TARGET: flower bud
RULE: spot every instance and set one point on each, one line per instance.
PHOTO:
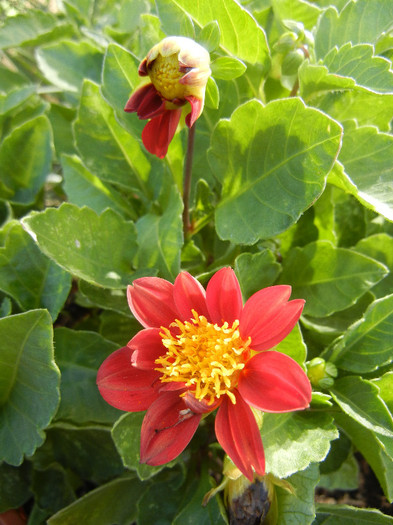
(178, 69)
(321, 373)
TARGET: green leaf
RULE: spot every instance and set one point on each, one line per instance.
(298, 508)
(329, 279)
(385, 386)
(52, 488)
(97, 506)
(106, 148)
(79, 355)
(88, 451)
(14, 486)
(67, 63)
(118, 328)
(366, 155)
(15, 97)
(294, 346)
(209, 37)
(346, 477)
(344, 514)
(84, 243)
(303, 12)
(85, 189)
(256, 271)
(379, 247)
(371, 448)
(294, 440)
(126, 434)
(174, 21)
(360, 400)
(29, 277)
(161, 237)
(272, 163)
(31, 28)
(61, 118)
(368, 343)
(212, 96)
(227, 68)
(29, 383)
(105, 298)
(240, 34)
(336, 29)
(25, 160)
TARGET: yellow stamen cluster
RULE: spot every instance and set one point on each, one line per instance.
(165, 75)
(206, 357)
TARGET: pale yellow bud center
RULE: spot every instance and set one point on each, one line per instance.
(206, 357)
(165, 75)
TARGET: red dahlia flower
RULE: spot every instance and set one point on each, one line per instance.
(200, 351)
(178, 69)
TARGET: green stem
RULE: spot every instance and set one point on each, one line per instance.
(187, 180)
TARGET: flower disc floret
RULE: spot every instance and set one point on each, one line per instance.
(206, 357)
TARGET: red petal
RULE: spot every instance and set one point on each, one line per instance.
(189, 295)
(146, 102)
(147, 346)
(238, 434)
(167, 429)
(196, 110)
(124, 386)
(151, 301)
(200, 406)
(268, 317)
(159, 131)
(223, 297)
(142, 69)
(274, 382)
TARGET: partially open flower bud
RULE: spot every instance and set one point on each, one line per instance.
(178, 69)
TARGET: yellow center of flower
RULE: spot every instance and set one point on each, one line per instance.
(206, 357)
(165, 75)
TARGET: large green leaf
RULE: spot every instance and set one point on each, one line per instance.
(344, 514)
(67, 63)
(240, 34)
(294, 440)
(98, 506)
(358, 22)
(298, 508)
(85, 189)
(25, 160)
(84, 243)
(161, 237)
(15, 97)
(367, 158)
(106, 148)
(293, 345)
(272, 163)
(28, 276)
(29, 383)
(367, 344)
(256, 271)
(360, 400)
(379, 247)
(79, 354)
(330, 279)
(14, 485)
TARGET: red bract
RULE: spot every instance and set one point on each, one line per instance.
(178, 69)
(200, 351)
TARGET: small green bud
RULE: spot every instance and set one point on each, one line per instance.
(320, 373)
(286, 43)
(292, 62)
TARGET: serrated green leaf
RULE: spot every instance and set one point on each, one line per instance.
(97, 506)
(126, 434)
(106, 148)
(368, 343)
(329, 279)
(360, 400)
(256, 271)
(272, 163)
(366, 155)
(67, 63)
(336, 29)
(25, 160)
(209, 37)
(29, 383)
(83, 243)
(227, 68)
(161, 237)
(85, 189)
(346, 515)
(240, 34)
(298, 508)
(32, 280)
(79, 355)
(294, 440)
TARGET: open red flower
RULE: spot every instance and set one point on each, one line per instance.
(178, 69)
(202, 350)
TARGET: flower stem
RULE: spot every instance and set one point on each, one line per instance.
(187, 180)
